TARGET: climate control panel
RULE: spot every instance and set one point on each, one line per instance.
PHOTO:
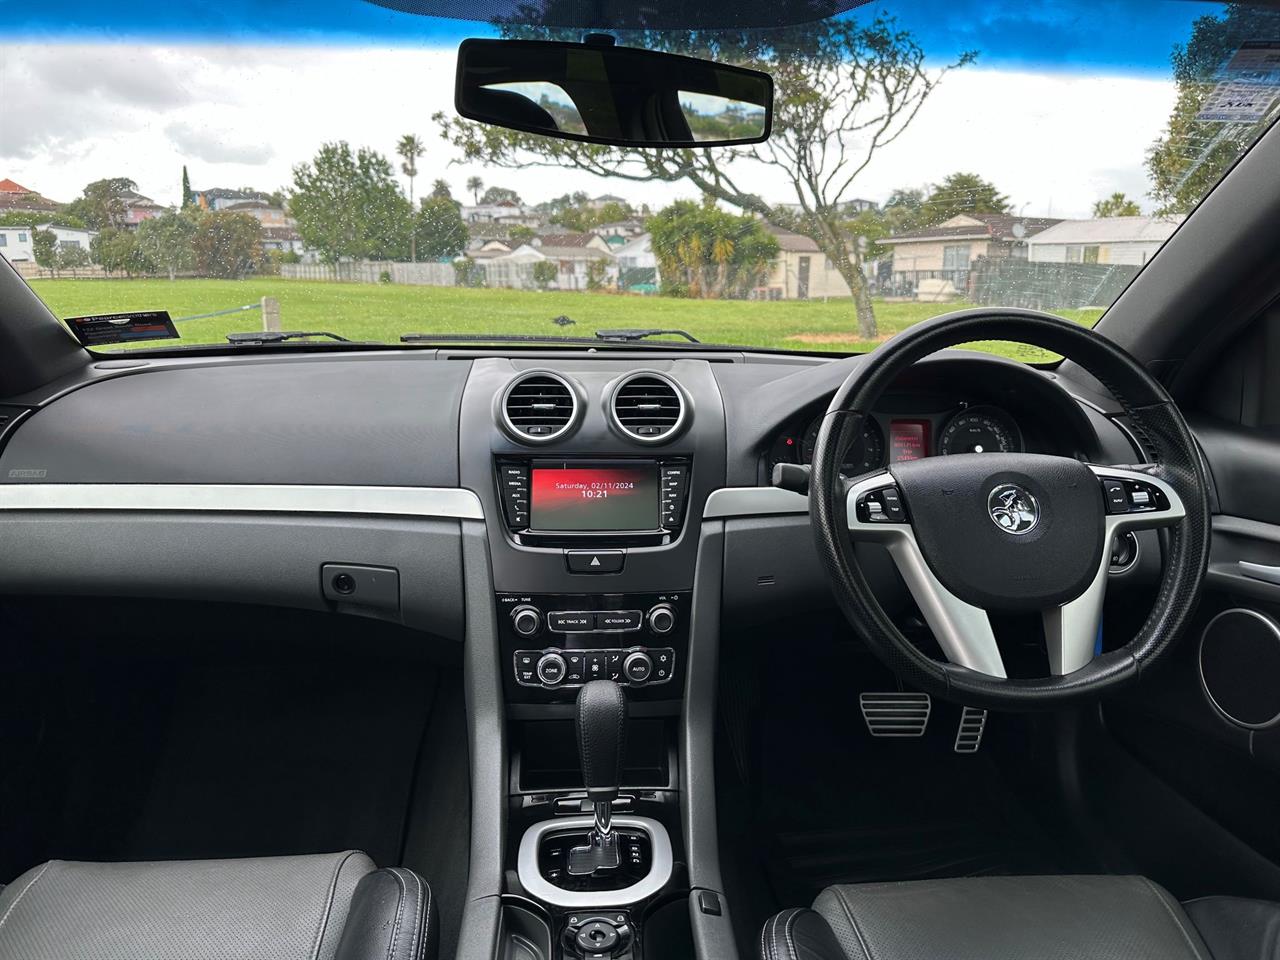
(554, 643)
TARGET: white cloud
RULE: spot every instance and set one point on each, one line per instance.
(240, 116)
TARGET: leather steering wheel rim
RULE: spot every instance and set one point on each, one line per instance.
(1155, 419)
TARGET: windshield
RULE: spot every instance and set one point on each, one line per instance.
(291, 167)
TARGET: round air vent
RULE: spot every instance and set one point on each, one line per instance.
(539, 407)
(1240, 666)
(648, 407)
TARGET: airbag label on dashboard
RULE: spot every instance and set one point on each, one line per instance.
(123, 327)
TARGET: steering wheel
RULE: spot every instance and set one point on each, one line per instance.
(973, 534)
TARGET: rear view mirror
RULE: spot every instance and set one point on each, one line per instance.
(600, 93)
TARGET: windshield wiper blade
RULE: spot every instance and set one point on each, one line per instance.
(625, 335)
(279, 336)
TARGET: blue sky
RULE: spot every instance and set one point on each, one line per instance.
(1124, 37)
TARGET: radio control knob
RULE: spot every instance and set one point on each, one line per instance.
(551, 669)
(638, 667)
(662, 618)
(526, 620)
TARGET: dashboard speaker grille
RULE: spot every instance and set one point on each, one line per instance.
(895, 714)
(539, 407)
(648, 407)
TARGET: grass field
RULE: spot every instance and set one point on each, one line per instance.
(384, 312)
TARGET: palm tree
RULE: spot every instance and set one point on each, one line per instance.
(410, 148)
(475, 185)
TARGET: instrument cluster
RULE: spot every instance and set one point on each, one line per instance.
(893, 437)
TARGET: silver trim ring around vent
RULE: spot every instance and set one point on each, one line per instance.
(520, 435)
(666, 435)
(895, 714)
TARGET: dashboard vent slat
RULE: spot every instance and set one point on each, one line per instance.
(539, 407)
(648, 407)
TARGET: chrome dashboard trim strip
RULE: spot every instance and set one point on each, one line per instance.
(753, 502)
(439, 502)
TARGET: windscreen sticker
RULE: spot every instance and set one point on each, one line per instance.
(123, 327)
(1248, 85)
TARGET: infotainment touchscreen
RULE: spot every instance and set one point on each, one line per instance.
(603, 498)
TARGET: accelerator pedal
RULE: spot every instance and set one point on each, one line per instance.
(895, 714)
(973, 721)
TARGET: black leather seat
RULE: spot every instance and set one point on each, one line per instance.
(336, 906)
(1022, 918)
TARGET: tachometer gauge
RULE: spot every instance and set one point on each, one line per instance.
(981, 430)
(865, 455)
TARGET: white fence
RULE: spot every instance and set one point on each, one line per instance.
(495, 273)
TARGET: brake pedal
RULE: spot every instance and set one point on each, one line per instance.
(973, 721)
(895, 714)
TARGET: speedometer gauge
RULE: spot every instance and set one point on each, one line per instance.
(981, 430)
(866, 453)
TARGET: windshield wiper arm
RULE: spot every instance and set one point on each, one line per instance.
(643, 334)
(279, 336)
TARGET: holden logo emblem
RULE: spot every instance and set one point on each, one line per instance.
(1012, 509)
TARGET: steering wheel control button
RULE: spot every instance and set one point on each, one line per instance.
(1117, 499)
(619, 620)
(571, 621)
(881, 506)
(1133, 496)
(595, 561)
(526, 621)
(551, 669)
(638, 667)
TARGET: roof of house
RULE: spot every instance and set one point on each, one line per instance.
(1111, 230)
(249, 205)
(223, 193)
(14, 196)
(8, 186)
(792, 242)
(566, 239)
(977, 226)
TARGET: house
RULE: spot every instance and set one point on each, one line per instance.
(637, 264)
(622, 229)
(138, 208)
(801, 271)
(847, 208)
(604, 200)
(504, 212)
(70, 236)
(579, 258)
(1108, 240)
(490, 249)
(285, 239)
(15, 198)
(220, 198)
(16, 245)
(262, 211)
(945, 251)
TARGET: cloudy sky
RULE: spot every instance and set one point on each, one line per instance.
(1056, 112)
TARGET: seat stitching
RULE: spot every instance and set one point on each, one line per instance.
(764, 945)
(774, 954)
(395, 930)
(854, 924)
(328, 904)
(786, 932)
(1174, 917)
(426, 918)
(418, 933)
(23, 892)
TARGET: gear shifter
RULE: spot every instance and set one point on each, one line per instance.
(601, 723)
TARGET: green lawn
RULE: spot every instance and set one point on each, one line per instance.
(384, 312)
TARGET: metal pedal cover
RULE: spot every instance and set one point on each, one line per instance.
(895, 714)
(973, 721)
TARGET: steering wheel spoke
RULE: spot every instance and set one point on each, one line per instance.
(963, 630)
(1136, 500)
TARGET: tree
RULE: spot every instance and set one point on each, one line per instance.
(410, 148)
(1192, 155)
(521, 234)
(168, 241)
(500, 195)
(1116, 205)
(102, 203)
(706, 252)
(545, 273)
(71, 256)
(227, 245)
(117, 251)
(475, 185)
(843, 90)
(347, 204)
(188, 198)
(439, 231)
(441, 190)
(44, 244)
(961, 193)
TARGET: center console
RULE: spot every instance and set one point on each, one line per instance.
(592, 483)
